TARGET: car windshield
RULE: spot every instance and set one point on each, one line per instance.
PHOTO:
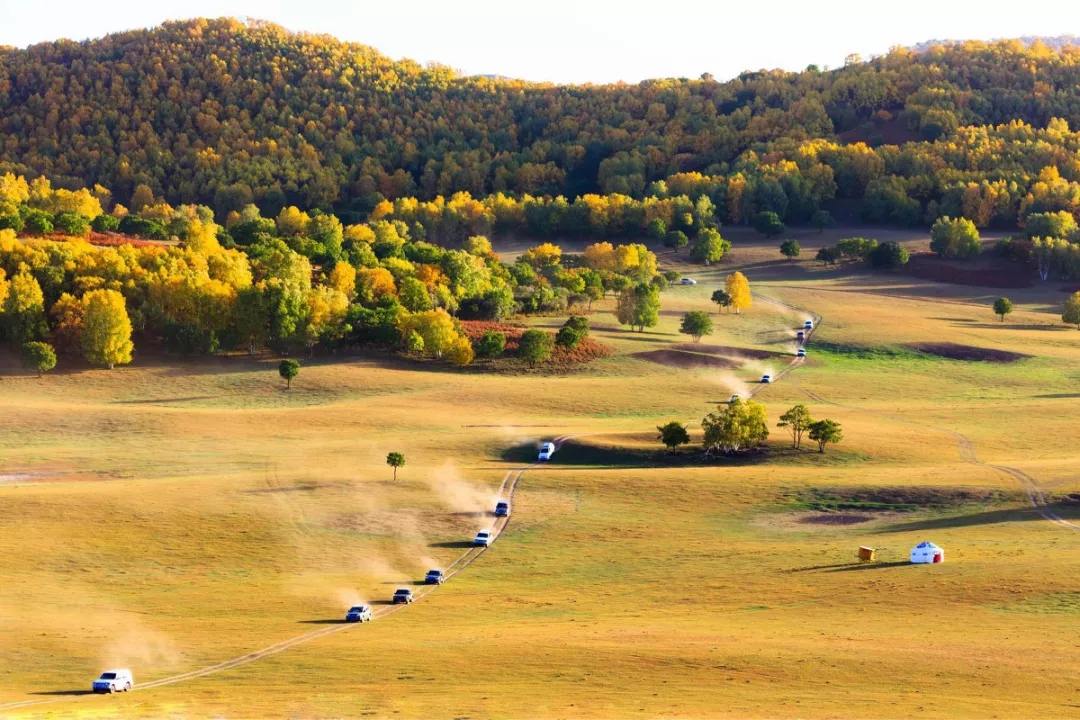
(403, 591)
(108, 676)
(355, 609)
(434, 572)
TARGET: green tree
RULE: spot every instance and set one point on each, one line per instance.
(567, 337)
(38, 356)
(1003, 306)
(413, 342)
(395, 460)
(492, 344)
(288, 369)
(676, 239)
(790, 249)
(797, 420)
(535, 346)
(71, 223)
(657, 229)
(639, 308)
(708, 247)
(696, 323)
(824, 432)
(579, 323)
(955, 238)
(768, 223)
(821, 219)
(721, 298)
(888, 255)
(673, 434)
(1071, 313)
(106, 329)
(828, 255)
(738, 425)
(856, 248)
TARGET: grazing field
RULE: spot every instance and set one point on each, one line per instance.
(168, 517)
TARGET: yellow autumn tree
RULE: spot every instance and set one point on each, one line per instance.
(738, 289)
(106, 329)
(374, 284)
(541, 255)
(600, 256)
(292, 221)
(343, 279)
(435, 327)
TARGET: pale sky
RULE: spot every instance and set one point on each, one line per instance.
(583, 40)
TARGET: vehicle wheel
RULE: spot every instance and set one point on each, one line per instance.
(112, 689)
(127, 687)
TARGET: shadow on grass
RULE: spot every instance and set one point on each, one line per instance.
(1059, 396)
(871, 566)
(164, 401)
(68, 693)
(579, 454)
(455, 544)
(988, 517)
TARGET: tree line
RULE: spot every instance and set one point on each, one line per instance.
(743, 424)
(226, 114)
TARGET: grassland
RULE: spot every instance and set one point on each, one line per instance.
(169, 516)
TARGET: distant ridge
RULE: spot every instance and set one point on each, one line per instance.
(1056, 42)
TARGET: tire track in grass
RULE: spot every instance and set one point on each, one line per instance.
(965, 445)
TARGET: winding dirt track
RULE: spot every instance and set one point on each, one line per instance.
(965, 444)
(509, 485)
(506, 490)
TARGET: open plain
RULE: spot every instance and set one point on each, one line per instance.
(200, 512)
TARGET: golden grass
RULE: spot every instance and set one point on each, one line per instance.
(182, 515)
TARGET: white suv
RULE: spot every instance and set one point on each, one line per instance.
(547, 450)
(112, 681)
(482, 539)
(358, 613)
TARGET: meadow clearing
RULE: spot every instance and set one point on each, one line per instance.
(169, 516)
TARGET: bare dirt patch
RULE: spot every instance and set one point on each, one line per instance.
(685, 360)
(836, 518)
(728, 351)
(989, 272)
(968, 353)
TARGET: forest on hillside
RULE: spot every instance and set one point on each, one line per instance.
(225, 114)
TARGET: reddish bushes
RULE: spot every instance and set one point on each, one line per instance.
(586, 351)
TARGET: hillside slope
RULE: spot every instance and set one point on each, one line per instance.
(219, 112)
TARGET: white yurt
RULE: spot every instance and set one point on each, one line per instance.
(927, 552)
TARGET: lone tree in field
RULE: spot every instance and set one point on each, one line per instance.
(790, 249)
(695, 324)
(722, 299)
(106, 329)
(1071, 314)
(395, 460)
(639, 307)
(824, 432)
(535, 346)
(38, 356)
(1003, 306)
(797, 420)
(738, 290)
(288, 369)
(673, 435)
(740, 424)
